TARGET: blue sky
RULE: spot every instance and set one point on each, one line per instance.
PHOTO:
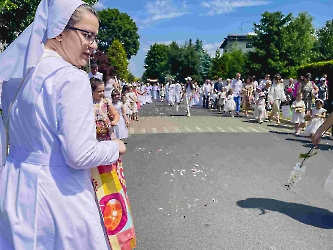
(163, 21)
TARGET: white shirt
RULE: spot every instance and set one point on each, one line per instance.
(236, 86)
(178, 87)
(206, 89)
(98, 75)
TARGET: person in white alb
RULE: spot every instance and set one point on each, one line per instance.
(94, 72)
(276, 96)
(237, 86)
(172, 93)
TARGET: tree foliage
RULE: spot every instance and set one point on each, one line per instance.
(131, 77)
(16, 15)
(103, 64)
(156, 62)
(205, 61)
(117, 58)
(282, 43)
(120, 26)
(325, 42)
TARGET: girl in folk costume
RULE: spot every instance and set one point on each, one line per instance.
(317, 116)
(276, 96)
(298, 113)
(126, 101)
(120, 129)
(113, 201)
(230, 105)
(54, 145)
(138, 94)
(248, 94)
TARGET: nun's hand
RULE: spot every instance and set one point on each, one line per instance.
(122, 147)
(316, 138)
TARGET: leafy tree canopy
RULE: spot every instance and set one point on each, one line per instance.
(117, 58)
(120, 26)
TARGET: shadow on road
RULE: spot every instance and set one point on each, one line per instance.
(307, 144)
(313, 216)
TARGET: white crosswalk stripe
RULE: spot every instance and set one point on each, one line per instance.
(188, 130)
(210, 129)
(221, 129)
(257, 131)
(232, 130)
(165, 130)
(263, 129)
(177, 130)
(154, 130)
(199, 129)
(243, 129)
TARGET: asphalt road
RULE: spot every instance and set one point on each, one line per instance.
(206, 189)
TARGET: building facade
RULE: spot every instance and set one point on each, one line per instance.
(236, 41)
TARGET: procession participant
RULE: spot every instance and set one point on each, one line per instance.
(172, 93)
(167, 92)
(47, 104)
(206, 93)
(94, 71)
(237, 86)
(248, 94)
(276, 96)
(188, 92)
(262, 83)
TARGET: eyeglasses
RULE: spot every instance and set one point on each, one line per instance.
(89, 36)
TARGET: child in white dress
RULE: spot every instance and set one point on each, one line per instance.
(298, 113)
(318, 115)
(260, 107)
(222, 96)
(230, 105)
(120, 129)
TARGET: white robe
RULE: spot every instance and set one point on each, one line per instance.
(46, 196)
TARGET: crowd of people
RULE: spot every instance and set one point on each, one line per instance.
(305, 99)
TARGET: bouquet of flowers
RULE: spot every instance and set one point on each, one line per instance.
(299, 169)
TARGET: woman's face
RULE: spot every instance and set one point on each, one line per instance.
(98, 94)
(75, 43)
(318, 104)
(248, 80)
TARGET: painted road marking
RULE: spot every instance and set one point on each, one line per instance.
(243, 129)
(232, 130)
(154, 130)
(210, 129)
(199, 129)
(165, 130)
(257, 131)
(188, 130)
(265, 130)
(177, 130)
(221, 129)
(143, 131)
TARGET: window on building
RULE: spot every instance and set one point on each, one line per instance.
(249, 45)
(225, 50)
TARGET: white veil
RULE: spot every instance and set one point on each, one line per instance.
(25, 52)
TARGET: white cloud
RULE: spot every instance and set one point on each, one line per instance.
(163, 9)
(211, 48)
(228, 6)
(99, 6)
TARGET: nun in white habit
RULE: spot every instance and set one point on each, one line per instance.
(46, 196)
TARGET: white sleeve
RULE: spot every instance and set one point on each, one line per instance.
(76, 124)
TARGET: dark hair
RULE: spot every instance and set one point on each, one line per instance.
(253, 78)
(249, 77)
(308, 76)
(94, 82)
(115, 92)
(277, 77)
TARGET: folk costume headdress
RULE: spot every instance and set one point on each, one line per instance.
(25, 52)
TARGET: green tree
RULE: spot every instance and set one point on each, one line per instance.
(218, 66)
(235, 62)
(282, 43)
(189, 62)
(174, 59)
(120, 26)
(16, 15)
(325, 41)
(205, 61)
(156, 62)
(131, 77)
(117, 58)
